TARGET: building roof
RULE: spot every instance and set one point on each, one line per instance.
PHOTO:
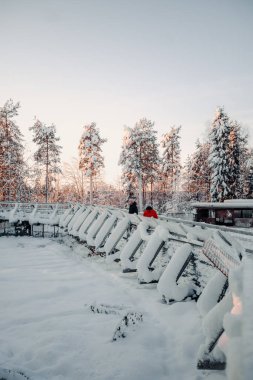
(233, 204)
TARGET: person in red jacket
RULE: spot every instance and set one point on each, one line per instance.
(150, 212)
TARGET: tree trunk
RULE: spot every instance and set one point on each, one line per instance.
(140, 193)
(151, 193)
(47, 164)
(91, 190)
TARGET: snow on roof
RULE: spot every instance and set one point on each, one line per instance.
(237, 203)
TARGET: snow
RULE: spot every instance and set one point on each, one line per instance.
(87, 223)
(167, 285)
(95, 228)
(105, 231)
(79, 221)
(211, 293)
(115, 237)
(238, 323)
(153, 247)
(129, 250)
(48, 330)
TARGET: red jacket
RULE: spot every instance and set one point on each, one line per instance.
(150, 213)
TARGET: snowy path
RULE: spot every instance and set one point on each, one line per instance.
(48, 332)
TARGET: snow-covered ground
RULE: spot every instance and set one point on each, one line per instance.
(48, 330)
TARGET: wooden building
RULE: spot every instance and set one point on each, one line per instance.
(236, 212)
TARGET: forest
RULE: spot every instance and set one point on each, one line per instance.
(220, 167)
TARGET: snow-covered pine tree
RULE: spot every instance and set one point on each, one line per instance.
(247, 175)
(12, 173)
(250, 181)
(140, 157)
(171, 166)
(128, 176)
(187, 175)
(236, 156)
(219, 157)
(91, 160)
(200, 170)
(48, 153)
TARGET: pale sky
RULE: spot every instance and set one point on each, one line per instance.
(71, 62)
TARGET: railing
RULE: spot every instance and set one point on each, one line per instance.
(159, 251)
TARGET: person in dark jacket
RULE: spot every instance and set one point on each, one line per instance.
(150, 213)
(133, 209)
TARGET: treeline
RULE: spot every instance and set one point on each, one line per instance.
(220, 168)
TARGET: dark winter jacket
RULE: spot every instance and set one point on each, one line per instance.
(150, 213)
(133, 208)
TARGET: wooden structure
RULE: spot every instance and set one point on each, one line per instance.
(236, 212)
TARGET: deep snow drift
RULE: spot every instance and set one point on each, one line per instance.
(48, 330)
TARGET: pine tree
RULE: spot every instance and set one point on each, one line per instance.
(140, 156)
(236, 154)
(219, 157)
(187, 175)
(248, 175)
(200, 170)
(171, 166)
(250, 182)
(47, 155)
(12, 181)
(128, 175)
(91, 161)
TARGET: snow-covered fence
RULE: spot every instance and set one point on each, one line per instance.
(24, 218)
(104, 232)
(87, 223)
(85, 211)
(225, 253)
(141, 243)
(110, 247)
